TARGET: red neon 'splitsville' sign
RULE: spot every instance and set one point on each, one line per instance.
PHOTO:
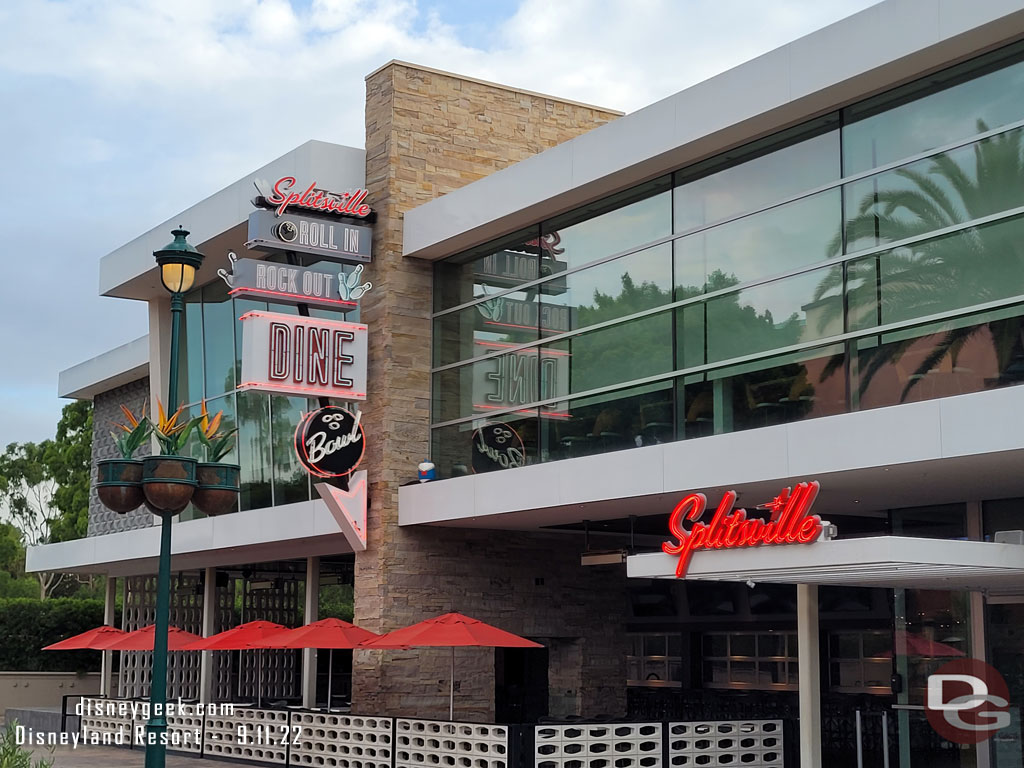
(314, 199)
(790, 523)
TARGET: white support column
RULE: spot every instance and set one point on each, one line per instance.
(107, 657)
(209, 627)
(810, 675)
(312, 613)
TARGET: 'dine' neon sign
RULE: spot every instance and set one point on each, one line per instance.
(790, 523)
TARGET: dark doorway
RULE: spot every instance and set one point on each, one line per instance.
(520, 684)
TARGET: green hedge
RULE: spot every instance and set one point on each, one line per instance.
(26, 625)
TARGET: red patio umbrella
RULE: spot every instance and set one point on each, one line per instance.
(95, 639)
(142, 639)
(450, 630)
(919, 645)
(239, 639)
(326, 633)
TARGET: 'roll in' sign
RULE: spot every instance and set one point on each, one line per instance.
(305, 356)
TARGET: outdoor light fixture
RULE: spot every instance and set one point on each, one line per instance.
(614, 557)
(178, 263)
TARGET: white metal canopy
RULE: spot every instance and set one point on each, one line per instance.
(879, 561)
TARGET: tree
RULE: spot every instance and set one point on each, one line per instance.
(68, 461)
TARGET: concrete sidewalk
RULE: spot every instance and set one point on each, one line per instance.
(119, 757)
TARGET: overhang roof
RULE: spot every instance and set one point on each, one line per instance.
(877, 561)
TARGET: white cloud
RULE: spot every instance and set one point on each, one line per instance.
(127, 111)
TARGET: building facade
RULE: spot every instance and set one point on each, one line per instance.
(807, 268)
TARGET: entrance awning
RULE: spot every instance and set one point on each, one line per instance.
(879, 561)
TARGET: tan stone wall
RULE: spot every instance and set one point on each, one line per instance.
(429, 133)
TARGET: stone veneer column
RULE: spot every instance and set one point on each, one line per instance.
(428, 133)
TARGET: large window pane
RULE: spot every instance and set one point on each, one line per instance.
(767, 243)
(254, 449)
(778, 390)
(218, 338)
(610, 422)
(941, 191)
(756, 183)
(967, 354)
(891, 127)
(796, 309)
(633, 283)
(499, 383)
(952, 272)
(492, 267)
(291, 482)
(452, 447)
(494, 324)
(589, 234)
(190, 357)
(616, 355)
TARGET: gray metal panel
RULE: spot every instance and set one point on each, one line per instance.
(891, 42)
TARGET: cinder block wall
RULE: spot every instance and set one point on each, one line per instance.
(106, 410)
(428, 133)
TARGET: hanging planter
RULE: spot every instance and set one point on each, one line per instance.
(119, 481)
(119, 484)
(169, 480)
(217, 492)
(217, 489)
(168, 483)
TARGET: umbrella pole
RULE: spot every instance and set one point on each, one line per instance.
(451, 690)
(330, 676)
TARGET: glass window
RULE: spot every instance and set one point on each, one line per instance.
(696, 397)
(758, 182)
(494, 324)
(452, 448)
(778, 390)
(613, 355)
(951, 272)
(254, 449)
(941, 191)
(893, 126)
(218, 338)
(190, 356)
(494, 267)
(965, 354)
(795, 309)
(786, 237)
(499, 383)
(291, 481)
(690, 335)
(594, 232)
(609, 422)
(633, 283)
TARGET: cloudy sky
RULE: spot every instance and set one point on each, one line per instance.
(121, 113)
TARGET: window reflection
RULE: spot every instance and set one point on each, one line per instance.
(890, 127)
(940, 191)
(801, 308)
(601, 234)
(254, 449)
(494, 267)
(610, 422)
(452, 447)
(758, 182)
(291, 481)
(190, 356)
(940, 359)
(773, 241)
(491, 325)
(218, 338)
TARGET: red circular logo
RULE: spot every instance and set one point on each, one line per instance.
(967, 701)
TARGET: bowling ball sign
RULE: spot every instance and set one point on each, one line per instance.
(330, 442)
(497, 446)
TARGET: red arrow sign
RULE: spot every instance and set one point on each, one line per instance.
(348, 508)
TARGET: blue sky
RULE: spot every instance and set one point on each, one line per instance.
(121, 113)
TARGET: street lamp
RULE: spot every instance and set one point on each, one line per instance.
(178, 262)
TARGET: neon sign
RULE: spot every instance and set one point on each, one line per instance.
(790, 523)
(281, 198)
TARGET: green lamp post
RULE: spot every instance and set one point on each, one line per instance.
(178, 263)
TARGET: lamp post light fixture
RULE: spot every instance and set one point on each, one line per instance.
(178, 262)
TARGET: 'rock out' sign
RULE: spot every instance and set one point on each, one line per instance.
(790, 523)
